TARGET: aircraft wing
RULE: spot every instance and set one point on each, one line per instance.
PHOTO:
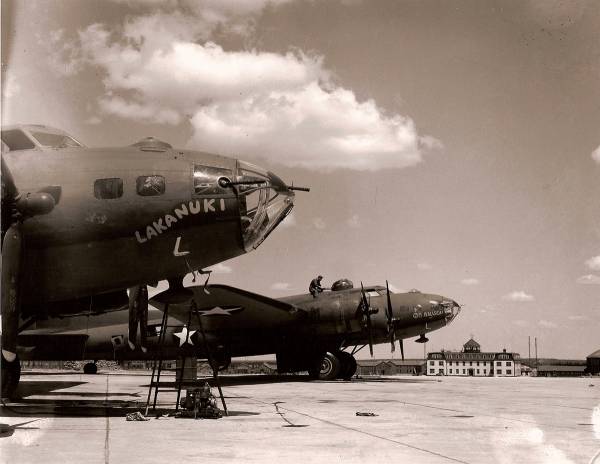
(222, 306)
(40, 346)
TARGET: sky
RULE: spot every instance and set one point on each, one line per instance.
(452, 147)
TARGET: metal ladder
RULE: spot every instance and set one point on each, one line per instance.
(157, 366)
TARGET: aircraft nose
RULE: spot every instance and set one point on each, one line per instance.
(451, 309)
(267, 200)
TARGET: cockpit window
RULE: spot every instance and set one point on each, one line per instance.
(47, 139)
(16, 139)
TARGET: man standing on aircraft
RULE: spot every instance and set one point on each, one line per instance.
(315, 286)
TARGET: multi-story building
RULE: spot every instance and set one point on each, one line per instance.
(472, 362)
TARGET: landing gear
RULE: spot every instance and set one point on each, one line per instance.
(333, 365)
(327, 367)
(348, 368)
(11, 373)
(90, 368)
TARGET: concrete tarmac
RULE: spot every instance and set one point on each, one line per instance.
(75, 418)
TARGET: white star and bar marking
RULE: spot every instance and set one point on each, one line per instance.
(220, 311)
(183, 336)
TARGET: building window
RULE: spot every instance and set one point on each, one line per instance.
(470, 363)
(498, 363)
(450, 363)
(148, 186)
(440, 371)
(441, 363)
(463, 371)
(478, 371)
(498, 371)
(463, 365)
(432, 363)
(478, 363)
(508, 363)
(451, 371)
(431, 371)
(485, 372)
(106, 189)
(509, 371)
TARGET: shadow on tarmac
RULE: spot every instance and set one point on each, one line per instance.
(258, 379)
(69, 408)
(29, 388)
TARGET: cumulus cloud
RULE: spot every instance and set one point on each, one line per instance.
(319, 223)
(353, 222)
(470, 281)
(10, 87)
(164, 67)
(281, 286)
(596, 155)
(520, 323)
(221, 269)
(519, 296)
(589, 279)
(547, 324)
(593, 263)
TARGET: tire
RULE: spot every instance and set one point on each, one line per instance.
(348, 368)
(330, 366)
(11, 373)
(90, 368)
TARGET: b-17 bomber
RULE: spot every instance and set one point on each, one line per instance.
(81, 225)
(217, 322)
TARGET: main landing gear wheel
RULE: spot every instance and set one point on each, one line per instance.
(11, 373)
(90, 368)
(327, 367)
(348, 365)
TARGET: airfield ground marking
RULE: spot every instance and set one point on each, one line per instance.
(525, 421)
(346, 427)
(106, 436)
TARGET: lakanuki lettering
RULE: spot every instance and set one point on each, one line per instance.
(191, 208)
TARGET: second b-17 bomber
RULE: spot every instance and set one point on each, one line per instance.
(218, 322)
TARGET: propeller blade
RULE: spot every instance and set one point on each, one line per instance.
(133, 315)
(367, 312)
(402, 348)
(390, 318)
(9, 189)
(12, 250)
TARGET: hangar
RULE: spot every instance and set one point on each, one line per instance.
(593, 363)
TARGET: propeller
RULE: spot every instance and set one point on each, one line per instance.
(366, 312)
(390, 318)
(15, 209)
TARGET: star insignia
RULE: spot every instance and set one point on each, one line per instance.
(220, 311)
(184, 336)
